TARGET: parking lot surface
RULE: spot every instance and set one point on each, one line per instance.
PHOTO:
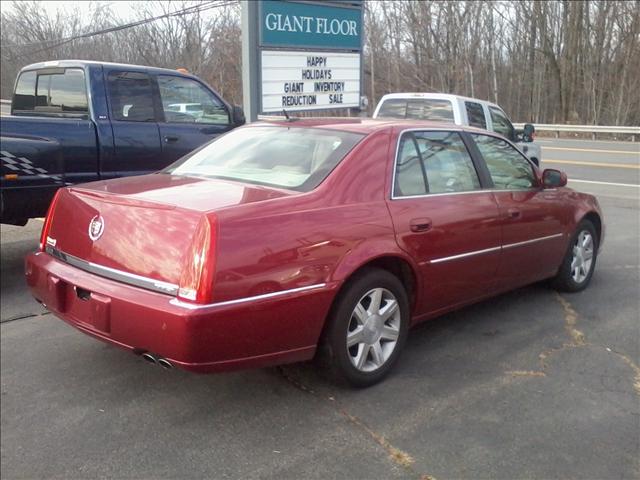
(529, 384)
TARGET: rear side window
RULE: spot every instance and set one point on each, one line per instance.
(186, 101)
(131, 97)
(509, 169)
(501, 123)
(433, 162)
(418, 109)
(475, 113)
(24, 98)
(57, 91)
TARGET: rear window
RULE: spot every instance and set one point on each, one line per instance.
(293, 158)
(417, 109)
(56, 91)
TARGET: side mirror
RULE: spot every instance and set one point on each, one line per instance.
(528, 132)
(553, 178)
(237, 115)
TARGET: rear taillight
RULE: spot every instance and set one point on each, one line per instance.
(47, 221)
(196, 282)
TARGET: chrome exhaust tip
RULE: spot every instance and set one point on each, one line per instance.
(164, 363)
(150, 358)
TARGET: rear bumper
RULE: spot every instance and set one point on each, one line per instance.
(218, 337)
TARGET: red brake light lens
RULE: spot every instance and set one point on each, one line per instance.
(48, 220)
(196, 282)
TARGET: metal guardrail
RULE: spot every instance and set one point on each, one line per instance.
(634, 132)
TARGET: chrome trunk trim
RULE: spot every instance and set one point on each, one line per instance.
(114, 274)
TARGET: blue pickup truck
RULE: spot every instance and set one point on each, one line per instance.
(76, 121)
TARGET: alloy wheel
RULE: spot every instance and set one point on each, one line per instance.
(582, 256)
(374, 329)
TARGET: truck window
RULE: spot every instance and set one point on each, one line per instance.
(393, 108)
(501, 123)
(417, 108)
(430, 109)
(131, 97)
(24, 99)
(59, 92)
(475, 113)
(187, 101)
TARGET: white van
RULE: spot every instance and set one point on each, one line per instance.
(460, 110)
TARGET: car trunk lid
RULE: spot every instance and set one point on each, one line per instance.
(141, 226)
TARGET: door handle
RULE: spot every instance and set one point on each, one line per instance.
(171, 138)
(420, 224)
(514, 213)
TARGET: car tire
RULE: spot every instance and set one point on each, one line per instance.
(579, 262)
(364, 313)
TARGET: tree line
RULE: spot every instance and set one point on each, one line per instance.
(555, 61)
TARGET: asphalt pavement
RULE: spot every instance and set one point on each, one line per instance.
(531, 384)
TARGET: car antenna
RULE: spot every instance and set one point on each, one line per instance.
(286, 115)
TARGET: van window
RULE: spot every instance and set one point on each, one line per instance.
(131, 97)
(475, 113)
(418, 109)
(52, 92)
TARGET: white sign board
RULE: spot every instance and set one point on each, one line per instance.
(294, 80)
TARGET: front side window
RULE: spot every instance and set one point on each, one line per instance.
(186, 101)
(60, 92)
(131, 97)
(433, 162)
(509, 169)
(287, 157)
(501, 123)
(475, 113)
(418, 109)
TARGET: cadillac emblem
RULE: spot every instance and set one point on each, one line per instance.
(96, 227)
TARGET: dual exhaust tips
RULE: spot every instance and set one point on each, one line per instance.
(163, 362)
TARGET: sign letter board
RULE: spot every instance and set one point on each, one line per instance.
(310, 55)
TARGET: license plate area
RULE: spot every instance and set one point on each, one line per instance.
(89, 308)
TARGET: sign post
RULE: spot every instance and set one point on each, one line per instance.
(301, 55)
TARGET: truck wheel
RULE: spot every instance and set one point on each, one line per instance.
(367, 328)
(580, 260)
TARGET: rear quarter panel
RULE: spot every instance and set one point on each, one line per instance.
(318, 237)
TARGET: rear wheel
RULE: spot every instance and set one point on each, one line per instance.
(367, 328)
(579, 263)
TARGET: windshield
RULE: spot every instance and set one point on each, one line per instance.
(286, 157)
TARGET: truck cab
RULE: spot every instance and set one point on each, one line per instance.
(76, 121)
(461, 111)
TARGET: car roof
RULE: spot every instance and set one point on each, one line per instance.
(364, 126)
(435, 96)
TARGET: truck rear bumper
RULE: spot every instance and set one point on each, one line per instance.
(258, 332)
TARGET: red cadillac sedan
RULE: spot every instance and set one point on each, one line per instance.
(281, 241)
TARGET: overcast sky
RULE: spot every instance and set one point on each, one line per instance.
(122, 9)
